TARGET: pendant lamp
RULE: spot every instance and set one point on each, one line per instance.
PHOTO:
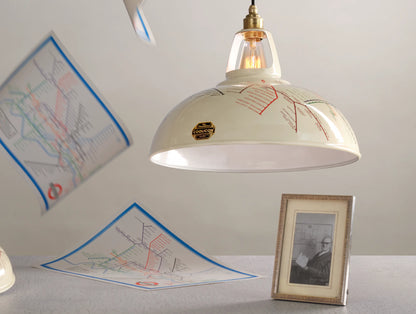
(254, 121)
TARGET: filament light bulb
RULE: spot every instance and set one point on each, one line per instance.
(251, 47)
(252, 54)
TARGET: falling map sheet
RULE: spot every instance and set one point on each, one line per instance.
(140, 24)
(138, 251)
(54, 124)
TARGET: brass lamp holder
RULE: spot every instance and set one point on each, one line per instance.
(252, 19)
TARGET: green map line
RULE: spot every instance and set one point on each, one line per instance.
(21, 101)
(16, 103)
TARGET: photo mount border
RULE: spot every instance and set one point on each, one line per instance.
(341, 298)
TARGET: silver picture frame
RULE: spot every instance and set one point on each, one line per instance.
(313, 248)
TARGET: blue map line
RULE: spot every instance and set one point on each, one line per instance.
(90, 89)
(27, 173)
(49, 137)
(91, 139)
(71, 167)
(93, 265)
(24, 117)
(4, 145)
(140, 209)
(185, 244)
(144, 25)
(142, 287)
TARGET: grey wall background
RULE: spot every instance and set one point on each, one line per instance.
(360, 55)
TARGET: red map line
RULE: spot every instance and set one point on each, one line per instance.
(252, 106)
(307, 108)
(64, 83)
(275, 92)
(123, 262)
(295, 103)
(150, 250)
(248, 86)
(317, 120)
(58, 136)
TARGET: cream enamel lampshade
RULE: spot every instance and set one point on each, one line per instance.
(254, 121)
(7, 277)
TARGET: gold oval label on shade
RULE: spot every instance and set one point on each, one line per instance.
(203, 131)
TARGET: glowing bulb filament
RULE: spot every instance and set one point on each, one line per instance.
(253, 55)
(253, 62)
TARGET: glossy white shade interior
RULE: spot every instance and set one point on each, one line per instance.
(253, 158)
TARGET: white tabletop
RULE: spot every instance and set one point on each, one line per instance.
(377, 284)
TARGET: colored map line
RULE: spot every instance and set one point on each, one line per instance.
(275, 92)
(42, 138)
(111, 116)
(297, 103)
(36, 105)
(258, 97)
(36, 128)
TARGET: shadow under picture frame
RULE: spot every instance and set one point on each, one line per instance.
(313, 248)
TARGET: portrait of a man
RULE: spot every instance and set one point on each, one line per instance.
(312, 252)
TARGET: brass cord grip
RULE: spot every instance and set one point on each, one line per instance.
(253, 20)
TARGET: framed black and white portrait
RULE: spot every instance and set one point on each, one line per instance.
(313, 248)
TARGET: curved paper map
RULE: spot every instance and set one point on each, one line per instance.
(54, 124)
(138, 251)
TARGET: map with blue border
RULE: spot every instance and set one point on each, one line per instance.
(54, 124)
(136, 250)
